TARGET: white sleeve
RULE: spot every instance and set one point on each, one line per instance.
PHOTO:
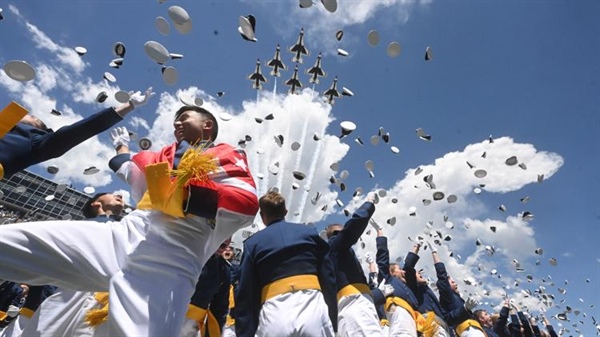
(130, 173)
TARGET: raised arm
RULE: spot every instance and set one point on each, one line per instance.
(247, 299)
(383, 256)
(354, 227)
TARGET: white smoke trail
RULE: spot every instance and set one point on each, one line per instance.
(311, 174)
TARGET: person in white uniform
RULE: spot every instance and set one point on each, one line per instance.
(179, 223)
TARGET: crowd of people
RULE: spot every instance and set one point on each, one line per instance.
(165, 269)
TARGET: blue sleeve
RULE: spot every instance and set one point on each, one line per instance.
(327, 279)
(383, 258)
(117, 161)
(55, 144)
(528, 332)
(220, 303)
(551, 331)
(353, 228)
(536, 331)
(454, 312)
(501, 326)
(247, 300)
(411, 274)
(515, 326)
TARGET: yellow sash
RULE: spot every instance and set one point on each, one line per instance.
(201, 315)
(290, 284)
(230, 320)
(425, 325)
(352, 289)
(467, 324)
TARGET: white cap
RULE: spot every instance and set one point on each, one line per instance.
(19, 71)
(80, 50)
(179, 15)
(162, 25)
(511, 161)
(145, 143)
(373, 38)
(480, 173)
(394, 49)
(339, 34)
(342, 52)
(452, 198)
(157, 52)
(52, 169)
(91, 170)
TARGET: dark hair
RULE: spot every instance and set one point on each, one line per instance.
(207, 114)
(478, 312)
(272, 205)
(333, 229)
(87, 210)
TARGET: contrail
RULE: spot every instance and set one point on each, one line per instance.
(300, 152)
(311, 173)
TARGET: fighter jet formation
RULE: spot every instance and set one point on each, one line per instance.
(277, 67)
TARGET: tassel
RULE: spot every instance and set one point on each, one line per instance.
(426, 324)
(195, 164)
(96, 317)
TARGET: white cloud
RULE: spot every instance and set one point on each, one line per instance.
(65, 55)
(320, 25)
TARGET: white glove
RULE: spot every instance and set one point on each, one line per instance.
(12, 311)
(137, 99)
(120, 137)
(385, 288)
(369, 258)
(471, 303)
(431, 247)
(190, 328)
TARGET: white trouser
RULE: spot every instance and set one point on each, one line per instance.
(62, 314)
(300, 313)
(228, 331)
(150, 284)
(15, 328)
(357, 316)
(472, 332)
(401, 322)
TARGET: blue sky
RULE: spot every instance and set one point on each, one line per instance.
(526, 73)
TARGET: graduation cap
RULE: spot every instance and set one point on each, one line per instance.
(55, 112)
(393, 49)
(156, 52)
(347, 128)
(119, 49)
(395, 149)
(342, 52)
(169, 75)
(480, 173)
(330, 5)
(109, 77)
(247, 28)
(347, 92)
(373, 38)
(80, 50)
(339, 35)
(370, 166)
(452, 198)
(428, 54)
(91, 170)
(19, 71)
(162, 25)
(52, 169)
(224, 116)
(421, 134)
(511, 161)
(144, 143)
(220, 93)
(101, 97)
(540, 178)
(299, 175)
(122, 96)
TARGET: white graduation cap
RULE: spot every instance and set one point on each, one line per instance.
(358, 141)
(370, 166)
(428, 54)
(426, 202)
(424, 136)
(278, 140)
(169, 75)
(395, 149)
(91, 170)
(449, 225)
(178, 15)
(452, 198)
(109, 77)
(299, 175)
(373, 38)
(523, 166)
(540, 178)
(502, 208)
(19, 71)
(145, 143)
(119, 49)
(412, 211)
(330, 5)
(101, 97)
(52, 169)
(342, 52)
(80, 50)
(157, 52)
(347, 92)
(438, 196)
(418, 171)
(480, 173)
(49, 197)
(339, 35)
(374, 140)
(247, 28)
(347, 128)
(295, 146)
(394, 49)
(224, 116)
(511, 161)
(274, 168)
(122, 96)
(162, 25)
(89, 190)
